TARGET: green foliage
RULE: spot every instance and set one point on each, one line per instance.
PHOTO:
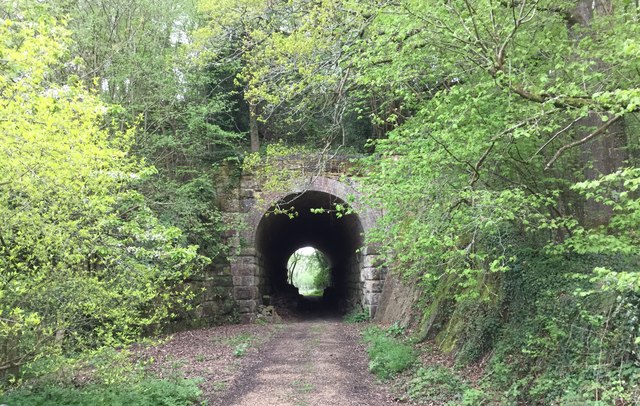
(309, 271)
(556, 342)
(502, 156)
(436, 384)
(279, 168)
(149, 391)
(240, 350)
(387, 355)
(395, 330)
(239, 339)
(356, 316)
(290, 66)
(240, 344)
(84, 263)
(490, 170)
(142, 60)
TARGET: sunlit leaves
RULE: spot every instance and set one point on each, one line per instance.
(83, 261)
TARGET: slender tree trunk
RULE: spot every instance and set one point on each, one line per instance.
(606, 153)
(253, 127)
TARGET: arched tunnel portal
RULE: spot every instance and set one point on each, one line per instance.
(310, 219)
(260, 269)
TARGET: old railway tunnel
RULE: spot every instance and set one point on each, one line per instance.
(264, 240)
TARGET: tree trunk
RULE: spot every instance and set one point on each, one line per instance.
(253, 127)
(606, 153)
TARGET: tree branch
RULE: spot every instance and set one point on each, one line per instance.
(601, 130)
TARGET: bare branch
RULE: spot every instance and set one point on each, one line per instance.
(555, 136)
(601, 130)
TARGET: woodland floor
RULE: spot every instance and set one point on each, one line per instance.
(314, 362)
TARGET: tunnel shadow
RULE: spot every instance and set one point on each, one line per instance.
(309, 219)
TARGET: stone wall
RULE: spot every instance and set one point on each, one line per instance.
(239, 204)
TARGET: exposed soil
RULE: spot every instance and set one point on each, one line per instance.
(313, 362)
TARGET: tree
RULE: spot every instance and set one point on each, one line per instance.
(139, 55)
(292, 58)
(83, 261)
(507, 126)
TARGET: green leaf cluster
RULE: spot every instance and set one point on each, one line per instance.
(84, 262)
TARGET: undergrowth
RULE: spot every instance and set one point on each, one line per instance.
(146, 392)
(356, 316)
(388, 356)
(549, 333)
(104, 376)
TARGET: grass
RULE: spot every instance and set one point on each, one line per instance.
(302, 387)
(219, 386)
(436, 383)
(356, 317)
(146, 392)
(388, 356)
(240, 350)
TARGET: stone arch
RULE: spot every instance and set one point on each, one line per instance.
(255, 271)
(324, 184)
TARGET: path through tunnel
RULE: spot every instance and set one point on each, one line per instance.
(338, 236)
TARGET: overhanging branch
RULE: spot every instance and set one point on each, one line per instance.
(601, 130)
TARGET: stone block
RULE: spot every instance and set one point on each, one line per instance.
(244, 270)
(373, 286)
(217, 293)
(371, 274)
(233, 242)
(247, 204)
(247, 318)
(245, 293)
(371, 261)
(223, 270)
(371, 298)
(248, 251)
(206, 310)
(372, 310)
(244, 281)
(371, 249)
(248, 260)
(248, 182)
(247, 306)
(230, 203)
(222, 281)
(247, 193)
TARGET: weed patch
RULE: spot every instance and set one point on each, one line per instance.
(239, 339)
(387, 356)
(240, 350)
(356, 317)
(303, 387)
(435, 383)
(146, 392)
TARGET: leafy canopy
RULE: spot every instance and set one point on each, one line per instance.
(83, 261)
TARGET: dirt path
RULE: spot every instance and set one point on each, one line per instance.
(304, 364)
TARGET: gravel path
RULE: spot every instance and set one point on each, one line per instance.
(304, 364)
(298, 363)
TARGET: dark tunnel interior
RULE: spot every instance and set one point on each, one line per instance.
(338, 237)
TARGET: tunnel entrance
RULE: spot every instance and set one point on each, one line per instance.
(310, 219)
